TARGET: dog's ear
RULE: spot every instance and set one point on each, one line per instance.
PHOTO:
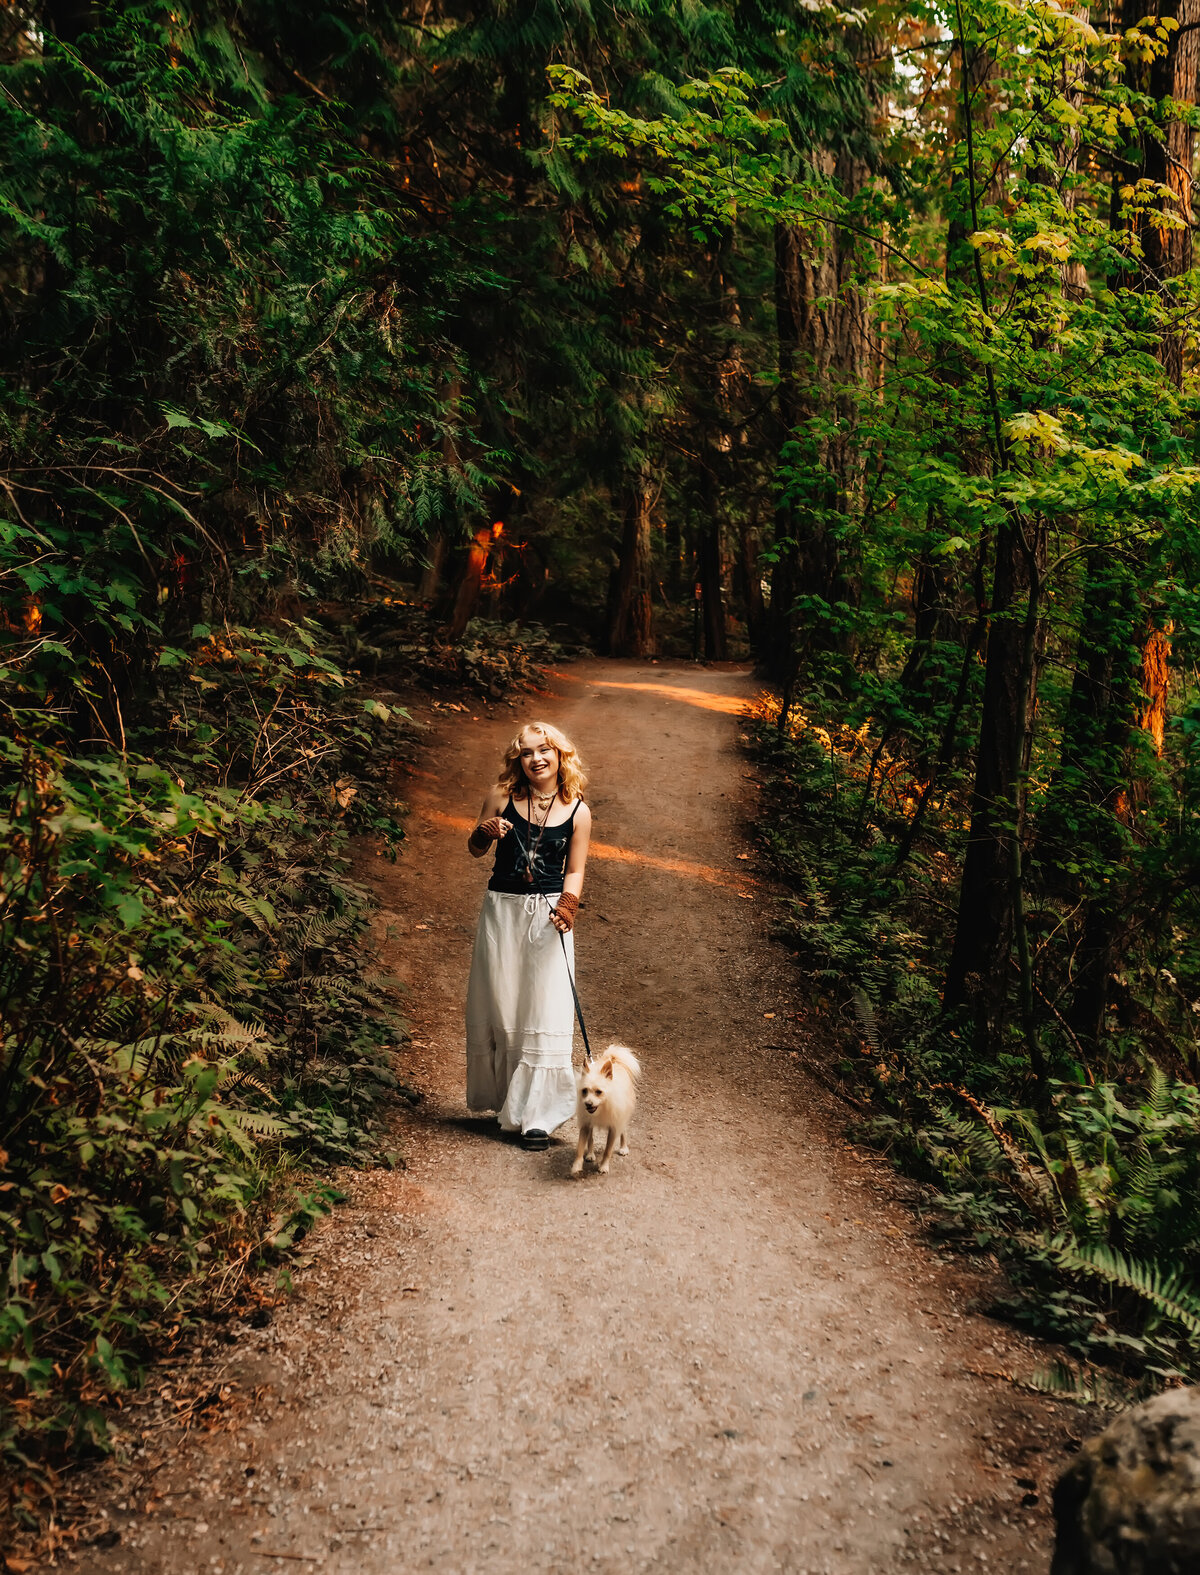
(608, 1069)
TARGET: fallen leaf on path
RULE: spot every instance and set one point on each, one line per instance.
(743, 855)
(749, 895)
(768, 1015)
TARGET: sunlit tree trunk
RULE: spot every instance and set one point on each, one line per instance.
(470, 585)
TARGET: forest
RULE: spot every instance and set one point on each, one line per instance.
(346, 337)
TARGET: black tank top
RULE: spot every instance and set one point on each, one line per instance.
(515, 852)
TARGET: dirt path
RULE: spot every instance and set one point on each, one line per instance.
(732, 1354)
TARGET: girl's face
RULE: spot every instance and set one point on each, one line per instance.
(539, 761)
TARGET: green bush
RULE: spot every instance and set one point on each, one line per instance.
(190, 1026)
(1092, 1202)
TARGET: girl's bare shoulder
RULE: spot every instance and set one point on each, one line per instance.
(583, 815)
(495, 801)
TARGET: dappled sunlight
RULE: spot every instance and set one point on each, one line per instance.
(689, 869)
(728, 705)
(685, 867)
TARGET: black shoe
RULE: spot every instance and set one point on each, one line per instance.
(535, 1138)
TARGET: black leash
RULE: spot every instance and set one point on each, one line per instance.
(587, 1049)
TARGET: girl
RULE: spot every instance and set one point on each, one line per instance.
(520, 1013)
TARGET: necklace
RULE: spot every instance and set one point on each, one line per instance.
(531, 848)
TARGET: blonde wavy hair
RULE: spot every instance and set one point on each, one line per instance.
(572, 779)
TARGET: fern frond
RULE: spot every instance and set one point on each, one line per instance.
(1084, 1384)
(236, 1029)
(1143, 1181)
(865, 1013)
(1094, 1197)
(259, 1125)
(976, 1141)
(331, 984)
(1165, 1291)
(225, 904)
(234, 1080)
(1034, 1185)
(1158, 1095)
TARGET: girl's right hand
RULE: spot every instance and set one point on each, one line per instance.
(495, 828)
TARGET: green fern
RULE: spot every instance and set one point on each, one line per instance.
(1166, 1291)
(1086, 1384)
(231, 901)
(259, 1125)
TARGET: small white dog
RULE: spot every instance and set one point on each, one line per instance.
(606, 1093)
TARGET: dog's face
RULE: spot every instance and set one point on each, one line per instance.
(594, 1085)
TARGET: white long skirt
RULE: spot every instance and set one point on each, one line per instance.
(520, 1015)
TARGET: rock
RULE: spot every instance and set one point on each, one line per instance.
(1129, 1504)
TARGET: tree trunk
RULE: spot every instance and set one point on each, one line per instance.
(1167, 160)
(1156, 679)
(751, 573)
(1089, 802)
(69, 20)
(988, 911)
(466, 598)
(435, 563)
(716, 648)
(630, 632)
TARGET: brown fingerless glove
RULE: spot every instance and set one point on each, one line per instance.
(567, 907)
(480, 840)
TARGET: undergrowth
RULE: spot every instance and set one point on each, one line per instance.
(193, 1026)
(1088, 1190)
(491, 657)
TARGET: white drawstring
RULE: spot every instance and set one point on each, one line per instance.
(533, 908)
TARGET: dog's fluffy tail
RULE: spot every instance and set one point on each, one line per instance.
(625, 1057)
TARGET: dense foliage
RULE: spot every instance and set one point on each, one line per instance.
(860, 342)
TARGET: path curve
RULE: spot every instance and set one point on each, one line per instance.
(732, 1354)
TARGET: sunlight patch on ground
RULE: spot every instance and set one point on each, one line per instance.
(614, 854)
(730, 705)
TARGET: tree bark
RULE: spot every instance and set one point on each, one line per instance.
(630, 631)
(1092, 780)
(988, 911)
(1167, 160)
(751, 573)
(435, 562)
(466, 599)
(1156, 681)
(716, 647)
